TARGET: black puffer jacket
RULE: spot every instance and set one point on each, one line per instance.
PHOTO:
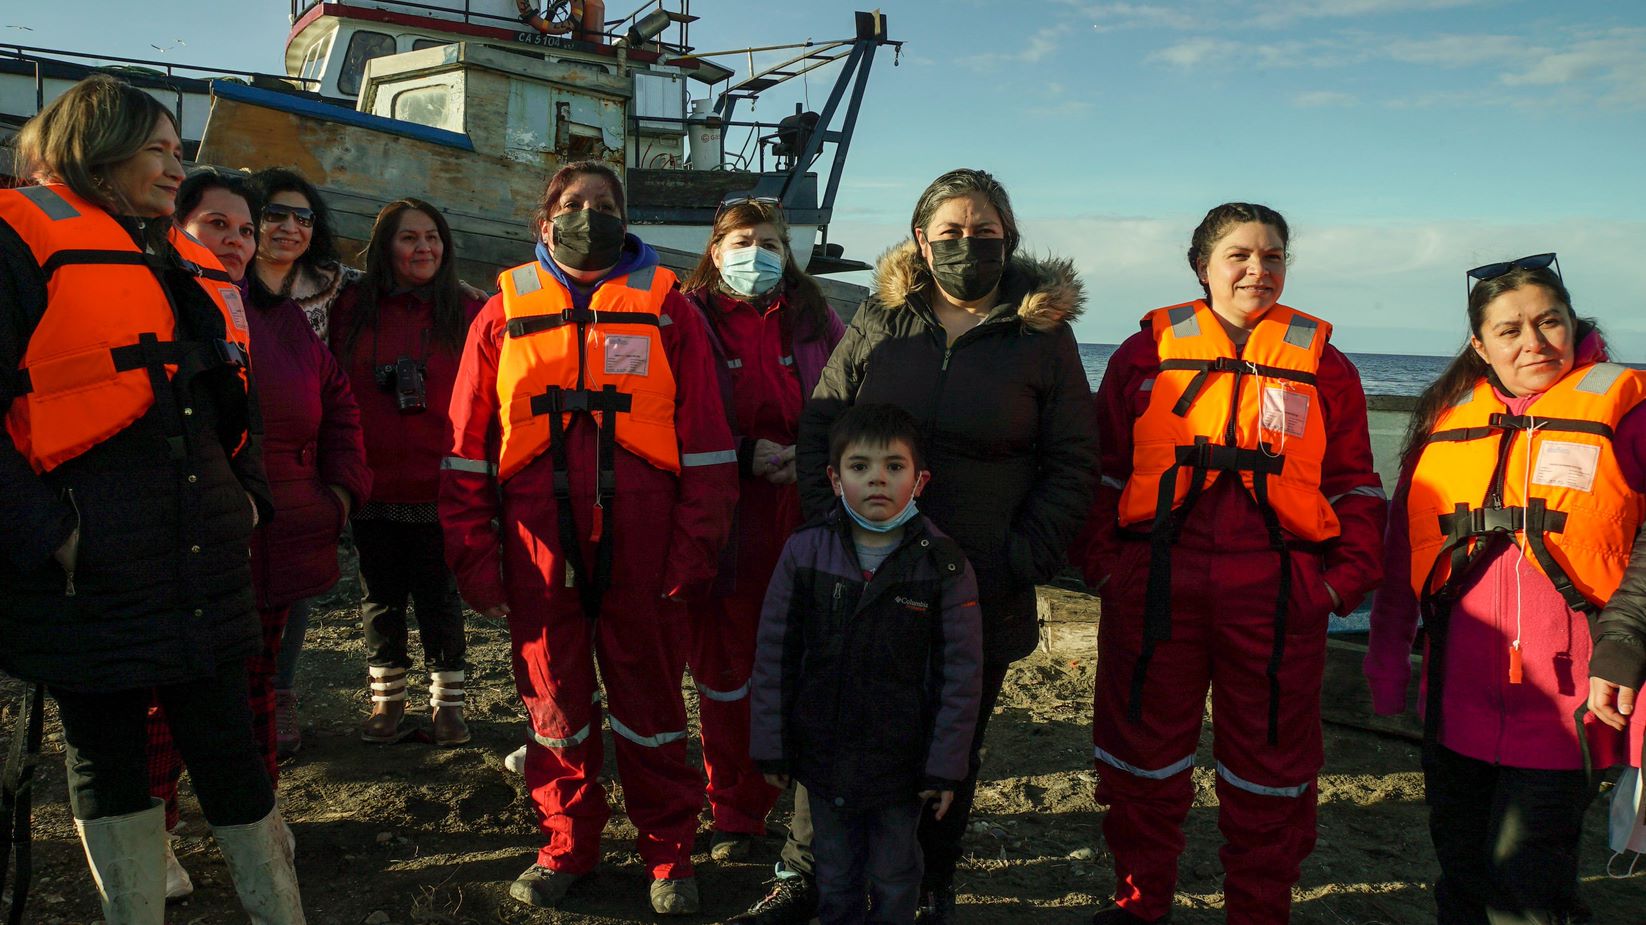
(162, 584)
(1008, 419)
(1620, 647)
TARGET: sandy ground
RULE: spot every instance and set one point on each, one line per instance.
(413, 834)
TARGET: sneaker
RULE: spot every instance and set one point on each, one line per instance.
(515, 762)
(730, 846)
(178, 884)
(674, 897)
(541, 887)
(792, 900)
(288, 736)
(936, 907)
(1114, 915)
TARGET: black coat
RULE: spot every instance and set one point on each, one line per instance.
(1620, 646)
(1007, 412)
(162, 583)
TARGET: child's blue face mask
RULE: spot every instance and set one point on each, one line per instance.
(882, 526)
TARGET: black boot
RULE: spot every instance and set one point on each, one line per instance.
(936, 907)
(1114, 915)
(792, 900)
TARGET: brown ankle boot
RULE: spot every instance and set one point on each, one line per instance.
(446, 701)
(386, 724)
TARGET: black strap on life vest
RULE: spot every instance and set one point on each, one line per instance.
(1204, 368)
(17, 797)
(531, 324)
(157, 262)
(556, 402)
(1199, 459)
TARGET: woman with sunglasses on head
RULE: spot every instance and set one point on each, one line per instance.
(772, 331)
(1238, 508)
(1518, 504)
(587, 496)
(314, 460)
(131, 480)
(400, 330)
(298, 264)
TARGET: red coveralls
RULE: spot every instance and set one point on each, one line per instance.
(766, 396)
(667, 533)
(1224, 581)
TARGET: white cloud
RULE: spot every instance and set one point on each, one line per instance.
(1316, 99)
(1188, 17)
(1039, 46)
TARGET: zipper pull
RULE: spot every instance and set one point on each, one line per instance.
(947, 352)
(68, 587)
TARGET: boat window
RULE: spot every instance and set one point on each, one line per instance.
(363, 46)
(424, 105)
(314, 61)
(420, 44)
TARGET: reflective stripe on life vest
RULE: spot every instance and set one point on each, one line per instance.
(107, 335)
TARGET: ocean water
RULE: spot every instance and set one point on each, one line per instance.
(1380, 373)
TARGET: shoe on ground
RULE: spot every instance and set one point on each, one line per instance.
(449, 728)
(1114, 915)
(730, 846)
(541, 887)
(515, 762)
(387, 723)
(791, 900)
(288, 736)
(936, 907)
(178, 884)
(259, 859)
(128, 863)
(674, 897)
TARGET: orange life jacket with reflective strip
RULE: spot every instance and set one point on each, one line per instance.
(92, 362)
(1215, 410)
(607, 360)
(1548, 478)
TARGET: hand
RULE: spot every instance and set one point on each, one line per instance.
(342, 498)
(780, 781)
(253, 502)
(944, 799)
(768, 455)
(469, 291)
(67, 553)
(497, 612)
(786, 474)
(1336, 601)
(1612, 704)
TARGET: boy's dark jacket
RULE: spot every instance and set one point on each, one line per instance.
(866, 691)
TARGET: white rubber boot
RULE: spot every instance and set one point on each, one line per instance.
(127, 855)
(259, 857)
(178, 884)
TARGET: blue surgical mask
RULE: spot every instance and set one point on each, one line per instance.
(882, 526)
(751, 270)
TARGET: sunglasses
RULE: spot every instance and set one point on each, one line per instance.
(1488, 271)
(274, 215)
(772, 201)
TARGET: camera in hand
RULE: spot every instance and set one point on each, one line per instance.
(404, 378)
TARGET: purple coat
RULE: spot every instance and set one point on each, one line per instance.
(311, 440)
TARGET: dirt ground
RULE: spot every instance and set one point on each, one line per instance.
(414, 834)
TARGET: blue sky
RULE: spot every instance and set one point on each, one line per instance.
(1405, 140)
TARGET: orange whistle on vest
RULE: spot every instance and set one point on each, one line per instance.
(1517, 672)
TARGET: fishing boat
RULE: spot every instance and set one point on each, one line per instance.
(471, 104)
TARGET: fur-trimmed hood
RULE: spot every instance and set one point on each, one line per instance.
(1052, 291)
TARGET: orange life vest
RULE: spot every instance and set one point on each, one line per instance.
(107, 335)
(606, 360)
(1548, 478)
(1212, 410)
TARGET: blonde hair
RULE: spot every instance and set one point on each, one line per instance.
(98, 123)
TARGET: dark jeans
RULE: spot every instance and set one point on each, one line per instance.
(868, 863)
(398, 561)
(106, 739)
(291, 644)
(939, 838)
(1507, 840)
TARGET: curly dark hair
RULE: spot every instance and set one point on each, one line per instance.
(322, 252)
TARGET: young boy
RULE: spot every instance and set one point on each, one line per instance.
(866, 676)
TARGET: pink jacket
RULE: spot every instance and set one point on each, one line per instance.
(1526, 725)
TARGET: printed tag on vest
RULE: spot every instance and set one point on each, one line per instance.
(1285, 411)
(237, 310)
(1566, 465)
(628, 355)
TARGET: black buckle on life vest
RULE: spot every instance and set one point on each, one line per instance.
(230, 353)
(560, 401)
(531, 324)
(1207, 455)
(1468, 521)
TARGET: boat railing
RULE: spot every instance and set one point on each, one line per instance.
(166, 71)
(615, 29)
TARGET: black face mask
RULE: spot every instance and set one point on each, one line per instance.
(587, 240)
(968, 268)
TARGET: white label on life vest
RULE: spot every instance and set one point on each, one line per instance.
(237, 309)
(628, 355)
(1566, 465)
(1285, 411)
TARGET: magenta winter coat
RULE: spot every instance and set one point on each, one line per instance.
(1526, 725)
(311, 440)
